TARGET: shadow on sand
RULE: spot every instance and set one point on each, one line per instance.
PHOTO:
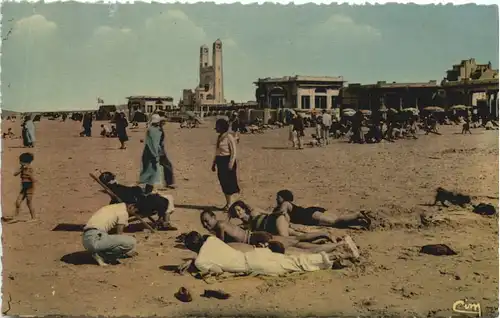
(169, 268)
(278, 148)
(68, 227)
(82, 258)
(197, 207)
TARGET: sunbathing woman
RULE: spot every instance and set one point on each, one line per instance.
(275, 223)
(230, 233)
(315, 215)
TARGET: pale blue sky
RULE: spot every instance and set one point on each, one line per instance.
(64, 55)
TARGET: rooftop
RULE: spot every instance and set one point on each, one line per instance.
(301, 78)
(149, 97)
(383, 84)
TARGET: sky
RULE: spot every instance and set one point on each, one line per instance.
(62, 56)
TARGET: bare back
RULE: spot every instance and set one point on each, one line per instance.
(228, 232)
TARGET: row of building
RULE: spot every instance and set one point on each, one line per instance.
(467, 83)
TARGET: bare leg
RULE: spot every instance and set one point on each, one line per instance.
(29, 201)
(300, 141)
(347, 249)
(229, 201)
(309, 237)
(315, 248)
(19, 200)
(352, 219)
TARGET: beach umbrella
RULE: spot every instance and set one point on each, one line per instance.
(434, 109)
(412, 110)
(459, 107)
(348, 112)
(366, 112)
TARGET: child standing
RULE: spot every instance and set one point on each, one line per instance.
(27, 184)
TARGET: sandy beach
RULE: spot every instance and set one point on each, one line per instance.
(46, 272)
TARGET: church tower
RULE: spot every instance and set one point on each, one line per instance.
(204, 59)
(218, 72)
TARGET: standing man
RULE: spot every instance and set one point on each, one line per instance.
(168, 169)
(326, 125)
(297, 130)
(87, 125)
(103, 246)
(151, 154)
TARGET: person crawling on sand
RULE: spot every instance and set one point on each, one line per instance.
(315, 215)
(107, 248)
(27, 186)
(230, 233)
(214, 257)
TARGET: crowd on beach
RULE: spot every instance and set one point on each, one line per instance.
(260, 242)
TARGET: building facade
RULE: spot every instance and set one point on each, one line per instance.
(469, 69)
(467, 83)
(299, 92)
(391, 95)
(150, 104)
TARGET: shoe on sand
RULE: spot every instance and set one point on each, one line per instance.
(183, 295)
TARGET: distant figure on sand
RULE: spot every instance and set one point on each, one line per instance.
(105, 131)
(151, 155)
(121, 129)
(297, 131)
(104, 247)
(27, 186)
(8, 135)
(168, 169)
(225, 162)
(87, 125)
(326, 124)
(28, 132)
(466, 126)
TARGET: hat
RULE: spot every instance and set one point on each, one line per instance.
(155, 119)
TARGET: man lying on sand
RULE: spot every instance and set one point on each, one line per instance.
(216, 257)
(230, 233)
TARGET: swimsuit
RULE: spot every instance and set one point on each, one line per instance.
(304, 216)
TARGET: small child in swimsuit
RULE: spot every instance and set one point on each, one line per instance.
(27, 185)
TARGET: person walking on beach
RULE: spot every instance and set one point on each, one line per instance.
(27, 186)
(28, 132)
(87, 125)
(297, 130)
(225, 162)
(326, 124)
(168, 169)
(121, 129)
(151, 155)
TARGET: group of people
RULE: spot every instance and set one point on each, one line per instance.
(118, 130)
(261, 240)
